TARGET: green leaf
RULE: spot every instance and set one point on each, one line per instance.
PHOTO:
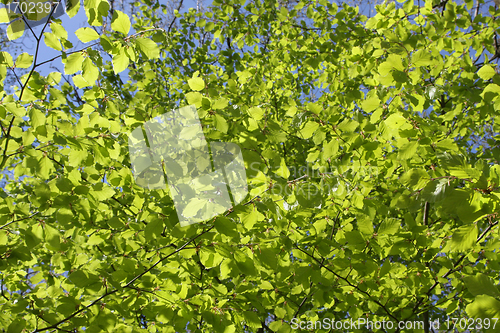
(58, 30)
(463, 239)
(73, 63)
(80, 81)
(121, 22)
(308, 195)
(120, 61)
(37, 117)
(193, 207)
(221, 124)
(196, 83)
(365, 225)
(24, 60)
(4, 15)
(194, 98)
(395, 121)
(153, 229)
(86, 34)
(421, 58)
(244, 263)
(309, 128)
(102, 191)
(408, 150)
(6, 58)
(16, 326)
(484, 306)
(72, 7)
(227, 227)
(148, 47)
(481, 285)
(415, 179)
(283, 170)
(486, 72)
(52, 41)
(314, 108)
(389, 227)
(371, 103)
(330, 148)
(15, 29)
(256, 113)
(90, 71)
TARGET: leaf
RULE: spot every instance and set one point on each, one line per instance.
(90, 71)
(227, 227)
(194, 98)
(484, 306)
(481, 285)
(95, 10)
(463, 239)
(153, 229)
(283, 170)
(193, 207)
(15, 29)
(196, 83)
(6, 58)
(86, 34)
(309, 128)
(421, 58)
(256, 113)
(371, 103)
(24, 60)
(486, 72)
(415, 179)
(72, 7)
(120, 61)
(59, 30)
(102, 191)
(148, 47)
(37, 117)
(408, 150)
(308, 195)
(348, 125)
(220, 103)
(314, 108)
(4, 16)
(73, 63)
(221, 124)
(365, 225)
(249, 219)
(121, 22)
(389, 227)
(80, 82)
(355, 239)
(52, 41)
(330, 149)
(244, 263)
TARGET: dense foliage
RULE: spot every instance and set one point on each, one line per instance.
(370, 147)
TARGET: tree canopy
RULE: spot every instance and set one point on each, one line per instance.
(371, 156)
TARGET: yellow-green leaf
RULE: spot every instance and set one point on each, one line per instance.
(24, 60)
(52, 41)
(121, 22)
(486, 72)
(15, 29)
(120, 61)
(196, 83)
(86, 34)
(73, 63)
